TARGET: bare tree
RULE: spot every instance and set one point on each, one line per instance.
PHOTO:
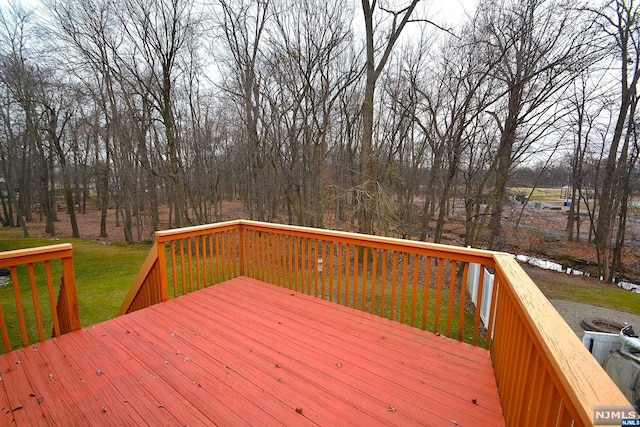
(89, 29)
(403, 147)
(307, 68)
(628, 177)
(158, 33)
(618, 19)
(464, 85)
(24, 150)
(57, 111)
(243, 27)
(587, 105)
(373, 68)
(540, 53)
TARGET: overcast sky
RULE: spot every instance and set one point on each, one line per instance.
(447, 10)
(451, 10)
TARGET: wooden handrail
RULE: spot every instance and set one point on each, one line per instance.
(196, 230)
(64, 313)
(142, 282)
(178, 258)
(467, 254)
(549, 363)
(544, 374)
(34, 255)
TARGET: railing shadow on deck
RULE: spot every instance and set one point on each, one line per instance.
(29, 307)
(545, 376)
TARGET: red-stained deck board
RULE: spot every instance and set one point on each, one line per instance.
(75, 364)
(244, 377)
(359, 359)
(295, 384)
(197, 375)
(115, 381)
(354, 326)
(247, 353)
(33, 372)
(190, 385)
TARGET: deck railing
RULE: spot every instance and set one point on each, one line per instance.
(544, 374)
(190, 259)
(29, 307)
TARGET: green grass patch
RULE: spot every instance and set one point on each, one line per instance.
(103, 272)
(584, 290)
(208, 270)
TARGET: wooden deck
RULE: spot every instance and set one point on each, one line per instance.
(247, 353)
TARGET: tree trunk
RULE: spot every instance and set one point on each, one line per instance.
(367, 193)
(504, 163)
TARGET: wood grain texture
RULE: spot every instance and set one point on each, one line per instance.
(246, 353)
(562, 359)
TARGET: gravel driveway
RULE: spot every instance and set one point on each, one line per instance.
(574, 312)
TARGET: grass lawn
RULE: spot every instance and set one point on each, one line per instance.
(586, 290)
(104, 273)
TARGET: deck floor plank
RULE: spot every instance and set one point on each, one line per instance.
(243, 352)
(116, 386)
(6, 415)
(48, 373)
(245, 362)
(360, 328)
(338, 375)
(409, 354)
(319, 389)
(100, 397)
(199, 379)
(474, 353)
(372, 363)
(22, 395)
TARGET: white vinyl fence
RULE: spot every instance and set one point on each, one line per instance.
(473, 281)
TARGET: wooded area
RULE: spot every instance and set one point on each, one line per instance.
(374, 114)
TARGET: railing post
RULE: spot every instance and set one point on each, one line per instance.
(241, 249)
(70, 297)
(162, 267)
